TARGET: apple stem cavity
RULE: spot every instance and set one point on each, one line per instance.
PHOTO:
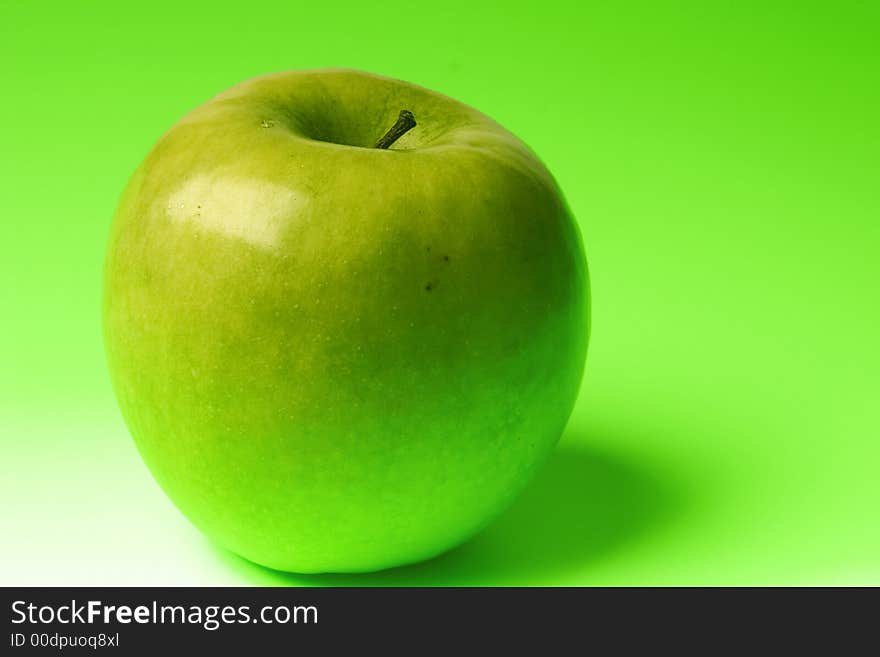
(405, 122)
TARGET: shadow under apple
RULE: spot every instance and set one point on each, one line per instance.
(582, 506)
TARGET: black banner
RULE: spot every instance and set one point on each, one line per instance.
(124, 621)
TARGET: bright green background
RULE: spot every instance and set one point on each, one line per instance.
(724, 162)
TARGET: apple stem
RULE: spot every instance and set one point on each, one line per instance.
(405, 122)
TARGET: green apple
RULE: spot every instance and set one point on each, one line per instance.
(339, 349)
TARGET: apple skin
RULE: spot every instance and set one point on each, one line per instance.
(337, 358)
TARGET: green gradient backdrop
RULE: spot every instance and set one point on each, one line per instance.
(724, 162)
